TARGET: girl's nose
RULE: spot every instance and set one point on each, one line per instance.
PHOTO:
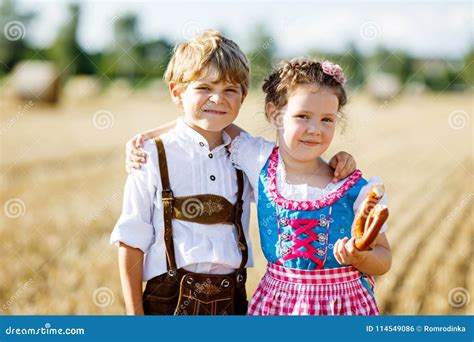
(314, 129)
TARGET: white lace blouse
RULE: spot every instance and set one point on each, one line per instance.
(250, 154)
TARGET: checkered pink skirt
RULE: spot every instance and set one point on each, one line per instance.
(335, 291)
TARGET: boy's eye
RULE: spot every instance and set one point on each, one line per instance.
(232, 90)
(328, 120)
(302, 116)
(202, 88)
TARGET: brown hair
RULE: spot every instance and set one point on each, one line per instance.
(192, 57)
(299, 71)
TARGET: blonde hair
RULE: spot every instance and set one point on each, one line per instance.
(192, 58)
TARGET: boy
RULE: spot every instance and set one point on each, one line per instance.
(185, 219)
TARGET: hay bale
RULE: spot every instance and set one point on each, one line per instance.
(415, 89)
(36, 81)
(78, 88)
(383, 86)
(119, 87)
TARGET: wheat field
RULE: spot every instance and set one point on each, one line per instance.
(62, 178)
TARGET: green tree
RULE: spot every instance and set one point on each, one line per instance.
(155, 56)
(66, 51)
(353, 63)
(14, 31)
(123, 58)
(261, 55)
(468, 68)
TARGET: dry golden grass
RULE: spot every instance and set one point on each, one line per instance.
(68, 177)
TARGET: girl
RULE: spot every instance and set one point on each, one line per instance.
(305, 220)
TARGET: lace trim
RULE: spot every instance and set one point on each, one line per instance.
(305, 205)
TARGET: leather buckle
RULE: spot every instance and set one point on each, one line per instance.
(167, 194)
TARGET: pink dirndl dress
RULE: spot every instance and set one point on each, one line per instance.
(297, 238)
(334, 291)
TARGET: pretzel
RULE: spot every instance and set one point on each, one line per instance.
(369, 218)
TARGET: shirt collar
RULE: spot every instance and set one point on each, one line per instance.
(197, 139)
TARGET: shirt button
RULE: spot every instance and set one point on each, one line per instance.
(210, 155)
(201, 144)
(213, 178)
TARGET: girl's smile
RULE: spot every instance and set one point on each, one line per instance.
(310, 143)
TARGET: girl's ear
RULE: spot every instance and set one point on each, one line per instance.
(273, 115)
(175, 94)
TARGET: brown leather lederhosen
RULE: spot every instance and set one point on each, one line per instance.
(180, 292)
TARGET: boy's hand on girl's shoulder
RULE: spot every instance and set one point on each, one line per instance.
(133, 156)
(343, 164)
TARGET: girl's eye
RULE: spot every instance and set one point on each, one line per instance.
(202, 88)
(328, 120)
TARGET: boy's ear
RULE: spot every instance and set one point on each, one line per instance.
(175, 94)
(243, 98)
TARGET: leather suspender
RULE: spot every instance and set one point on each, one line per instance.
(169, 209)
(167, 198)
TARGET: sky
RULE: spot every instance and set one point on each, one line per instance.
(423, 28)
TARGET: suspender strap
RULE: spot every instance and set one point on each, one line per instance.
(167, 197)
(168, 202)
(238, 209)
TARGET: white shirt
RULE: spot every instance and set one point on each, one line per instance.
(250, 154)
(193, 169)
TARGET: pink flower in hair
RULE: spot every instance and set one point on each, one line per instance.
(334, 70)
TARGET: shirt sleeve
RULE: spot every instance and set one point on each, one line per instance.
(363, 193)
(135, 225)
(250, 154)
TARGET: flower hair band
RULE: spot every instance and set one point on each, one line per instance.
(334, 70)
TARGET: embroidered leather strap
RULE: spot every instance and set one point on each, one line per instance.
(204, 209)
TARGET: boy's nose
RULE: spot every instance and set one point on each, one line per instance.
(215, 97)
